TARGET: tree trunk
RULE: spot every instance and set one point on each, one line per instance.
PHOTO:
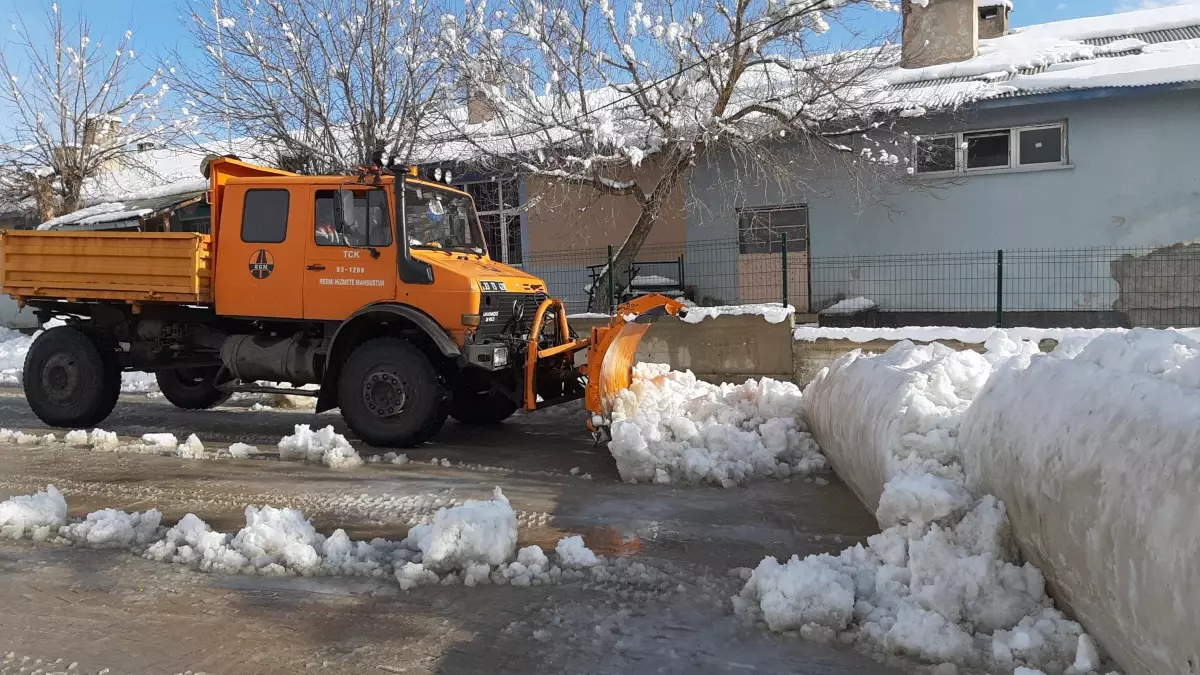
(626, 256)
(43, 194)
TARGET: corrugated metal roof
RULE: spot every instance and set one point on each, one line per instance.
(153, 205)
(1152, 37)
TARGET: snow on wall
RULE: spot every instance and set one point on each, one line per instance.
(1095, 458)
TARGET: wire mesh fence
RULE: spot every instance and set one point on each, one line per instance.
(1036, 287)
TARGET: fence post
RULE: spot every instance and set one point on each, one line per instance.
(612, 293)
(999, 288)
(784, 263)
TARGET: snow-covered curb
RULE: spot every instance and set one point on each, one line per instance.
(772, 312)
(943, 583)
(669, 427)
(966, 335)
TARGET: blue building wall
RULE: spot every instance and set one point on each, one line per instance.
(1133, 180)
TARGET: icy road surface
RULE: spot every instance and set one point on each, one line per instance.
(109, 609)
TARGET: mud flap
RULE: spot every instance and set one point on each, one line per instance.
(614, 351)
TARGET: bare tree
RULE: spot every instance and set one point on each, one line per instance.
(320, 85)
(76, 110)
(583, 96)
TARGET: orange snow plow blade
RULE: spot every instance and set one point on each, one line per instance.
(613, 351)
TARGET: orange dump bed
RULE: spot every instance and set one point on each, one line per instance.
(135, 267)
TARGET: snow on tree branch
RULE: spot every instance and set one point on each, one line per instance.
(324, 83)
(78, 108)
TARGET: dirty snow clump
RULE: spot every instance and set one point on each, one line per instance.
(669, 427)
(192, 448)
(242, 450)
(319, 447)
(572, 552)
(479, 532)
(110, 528)
(37, 515)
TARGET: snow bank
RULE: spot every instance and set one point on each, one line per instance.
(38, 515)
(669, 427)
(943, 582)
(1095, 457)
(772, 312)
(111, 528)
(319, 447)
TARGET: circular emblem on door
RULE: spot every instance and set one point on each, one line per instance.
(261, 264)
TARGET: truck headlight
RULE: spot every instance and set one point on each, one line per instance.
(499, 357)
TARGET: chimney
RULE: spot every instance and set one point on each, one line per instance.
(100, 130)
(479, 108)
(938, 31)
(993, 18)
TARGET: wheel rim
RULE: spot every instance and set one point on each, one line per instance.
(62, 378)
(192, 377)
(385, 394)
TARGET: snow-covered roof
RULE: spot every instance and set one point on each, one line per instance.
(111, 215)
(1129, 49)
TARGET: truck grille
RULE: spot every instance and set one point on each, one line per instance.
(497, 311)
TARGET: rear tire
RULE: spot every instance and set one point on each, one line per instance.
(69, 380)
(390, 394)
(192, 388)
(481, 409)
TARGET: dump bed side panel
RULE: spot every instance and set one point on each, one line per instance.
(133, 267)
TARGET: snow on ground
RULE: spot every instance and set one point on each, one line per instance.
(772, 312)
(943, 583)
(669, 427)
(325, 446)
(37, 515)
(810, 333)
(471, 544)
(850, 306)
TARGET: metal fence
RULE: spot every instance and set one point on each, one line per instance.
(1049, 287)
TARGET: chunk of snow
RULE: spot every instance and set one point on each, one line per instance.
(242, 450)
(850, 306)
(572, 552)
(160, 439)
(477, 532)
(192, 448)
(110, 528)
(38, 515)
(319, 447)
(670, 427)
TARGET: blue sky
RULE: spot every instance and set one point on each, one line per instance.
(156, 23)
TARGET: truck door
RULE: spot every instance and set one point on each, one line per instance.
(347, 268)
(259, 270)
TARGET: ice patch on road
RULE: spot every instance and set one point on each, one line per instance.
(325, 446)
(37, 516)
(943, 583)
(669, 427)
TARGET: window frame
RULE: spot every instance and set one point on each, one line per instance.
(287, 214)
(1014, 151)
(773, 245)
(964, 149)
(389, 226)
(503, 212)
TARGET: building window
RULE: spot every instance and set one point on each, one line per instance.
(992, 150)
(761, 229)
(264, 216)
(498, 203)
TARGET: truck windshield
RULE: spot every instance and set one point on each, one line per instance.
(441, 219)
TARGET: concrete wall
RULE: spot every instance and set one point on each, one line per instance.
(1133, 180)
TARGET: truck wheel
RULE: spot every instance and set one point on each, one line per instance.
(390, 395)
(69, 381)
(481, 409)
(192, 388)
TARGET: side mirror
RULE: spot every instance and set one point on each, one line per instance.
(345, 208)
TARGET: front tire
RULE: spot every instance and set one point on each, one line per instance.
(69, 380)
(192, 388)
(390, 394)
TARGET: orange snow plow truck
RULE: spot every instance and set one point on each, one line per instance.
(378, 289)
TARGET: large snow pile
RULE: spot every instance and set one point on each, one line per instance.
(325, 446)
(669, 427)
(38, 515)
(1096, 458)
(943, 582)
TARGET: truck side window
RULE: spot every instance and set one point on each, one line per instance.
(372, 226)
(264, 216)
